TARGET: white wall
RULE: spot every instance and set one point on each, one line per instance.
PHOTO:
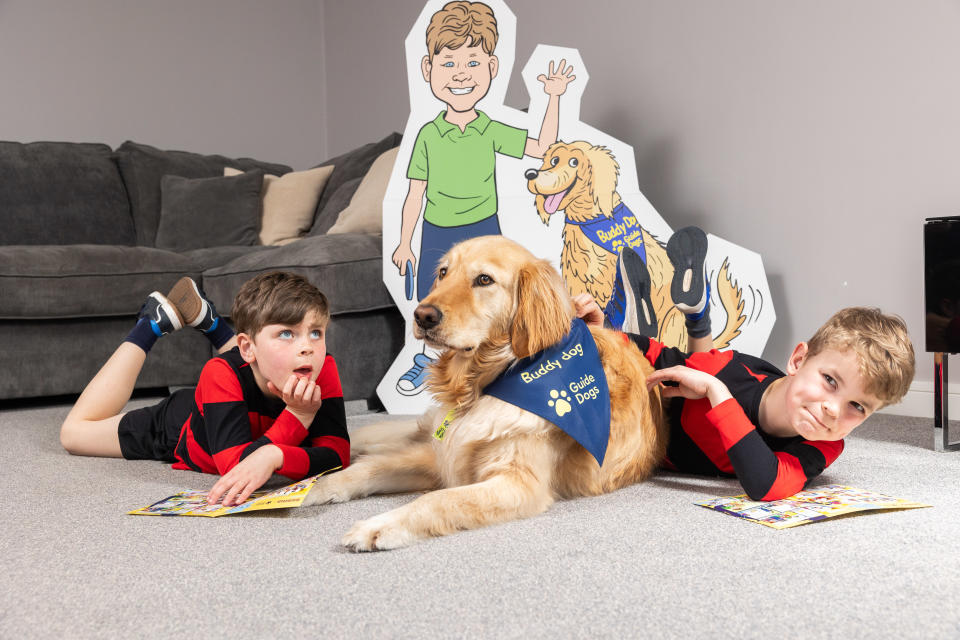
(819, 134)
(237, 77)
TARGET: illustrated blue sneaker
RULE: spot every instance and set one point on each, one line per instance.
(631, 294)
(411, 383)
(687, 251)
(196, 310)
(162, 314)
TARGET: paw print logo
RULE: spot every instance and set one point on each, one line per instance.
(559, 402)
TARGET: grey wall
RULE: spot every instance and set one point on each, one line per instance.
(819, 134)
(237, 77)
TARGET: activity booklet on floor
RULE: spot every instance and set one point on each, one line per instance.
(194, 503)
(807, 506)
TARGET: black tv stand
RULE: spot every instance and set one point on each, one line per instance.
(941, 418)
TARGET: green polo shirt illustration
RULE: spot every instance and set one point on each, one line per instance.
(460, 167)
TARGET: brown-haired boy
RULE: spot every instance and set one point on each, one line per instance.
(736, 415)
(269, 402)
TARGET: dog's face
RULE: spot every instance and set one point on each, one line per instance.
(492, 291)
(561, 177)
(574, 176)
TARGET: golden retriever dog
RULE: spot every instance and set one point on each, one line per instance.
(492, 304)
(580, 179)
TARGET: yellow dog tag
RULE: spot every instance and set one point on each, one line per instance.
(442, 429)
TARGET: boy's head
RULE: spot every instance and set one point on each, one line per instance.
(859, 361)
(460, 64)
(281, 322)
(882, 346)
(279, 297)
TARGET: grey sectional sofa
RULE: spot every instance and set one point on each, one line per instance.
(78, 255)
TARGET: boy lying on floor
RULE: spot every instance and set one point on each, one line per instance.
(269, 402)
(734, 414)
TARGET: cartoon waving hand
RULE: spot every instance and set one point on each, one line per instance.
(555, 83)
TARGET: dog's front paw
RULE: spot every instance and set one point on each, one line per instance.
(326, 491)
(378, 534)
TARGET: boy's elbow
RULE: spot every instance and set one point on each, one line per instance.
(766, 494)
(758, 491)
(534, 149)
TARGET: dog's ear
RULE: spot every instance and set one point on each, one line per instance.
(544, 309)
(605, 174)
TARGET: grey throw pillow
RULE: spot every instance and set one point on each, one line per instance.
(142, 167)
(346, 167)
(209, 212)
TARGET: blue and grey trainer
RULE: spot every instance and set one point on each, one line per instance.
(411, 383)
(161, 313)
(195, 308)
(616, 306)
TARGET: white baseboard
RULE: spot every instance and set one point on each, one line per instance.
(919, 402)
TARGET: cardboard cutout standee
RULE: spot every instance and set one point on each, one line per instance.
(469, 165)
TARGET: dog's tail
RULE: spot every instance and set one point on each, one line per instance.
(731, 299)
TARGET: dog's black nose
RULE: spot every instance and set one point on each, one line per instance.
(530, 174)
(427, 316)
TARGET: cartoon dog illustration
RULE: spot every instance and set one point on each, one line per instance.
(580, 179)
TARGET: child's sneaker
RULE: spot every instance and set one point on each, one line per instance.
(687, 250)
(631, 294)
(616, 306)
(161, 313)
(194, 307)
(411, 383)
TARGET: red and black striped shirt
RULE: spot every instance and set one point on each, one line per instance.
(231, 418)
(724, 440)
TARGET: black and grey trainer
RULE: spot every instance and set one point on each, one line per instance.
(687, 251)
(639, 317)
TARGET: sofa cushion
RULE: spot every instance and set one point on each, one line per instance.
(209, 212)
(346, 167)
(215, 256)
(348, 268)
(289, 203)
(62, 193)
(340, 200)
(365, 211)
(142, 167)
(84, 280)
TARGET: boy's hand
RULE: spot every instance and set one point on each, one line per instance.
(247, 476)
(588, 310)
(400, 257)
(689, 383)
(302, 397)
(555, 84)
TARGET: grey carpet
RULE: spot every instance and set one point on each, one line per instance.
(643, 562)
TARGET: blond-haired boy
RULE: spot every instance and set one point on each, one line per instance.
(736, 415)
(270, 402)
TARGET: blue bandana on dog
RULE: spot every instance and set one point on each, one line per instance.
(616, 232)
(564, 384)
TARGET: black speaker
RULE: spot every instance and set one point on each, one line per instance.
(941, 283)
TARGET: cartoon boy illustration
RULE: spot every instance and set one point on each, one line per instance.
(454, 156)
